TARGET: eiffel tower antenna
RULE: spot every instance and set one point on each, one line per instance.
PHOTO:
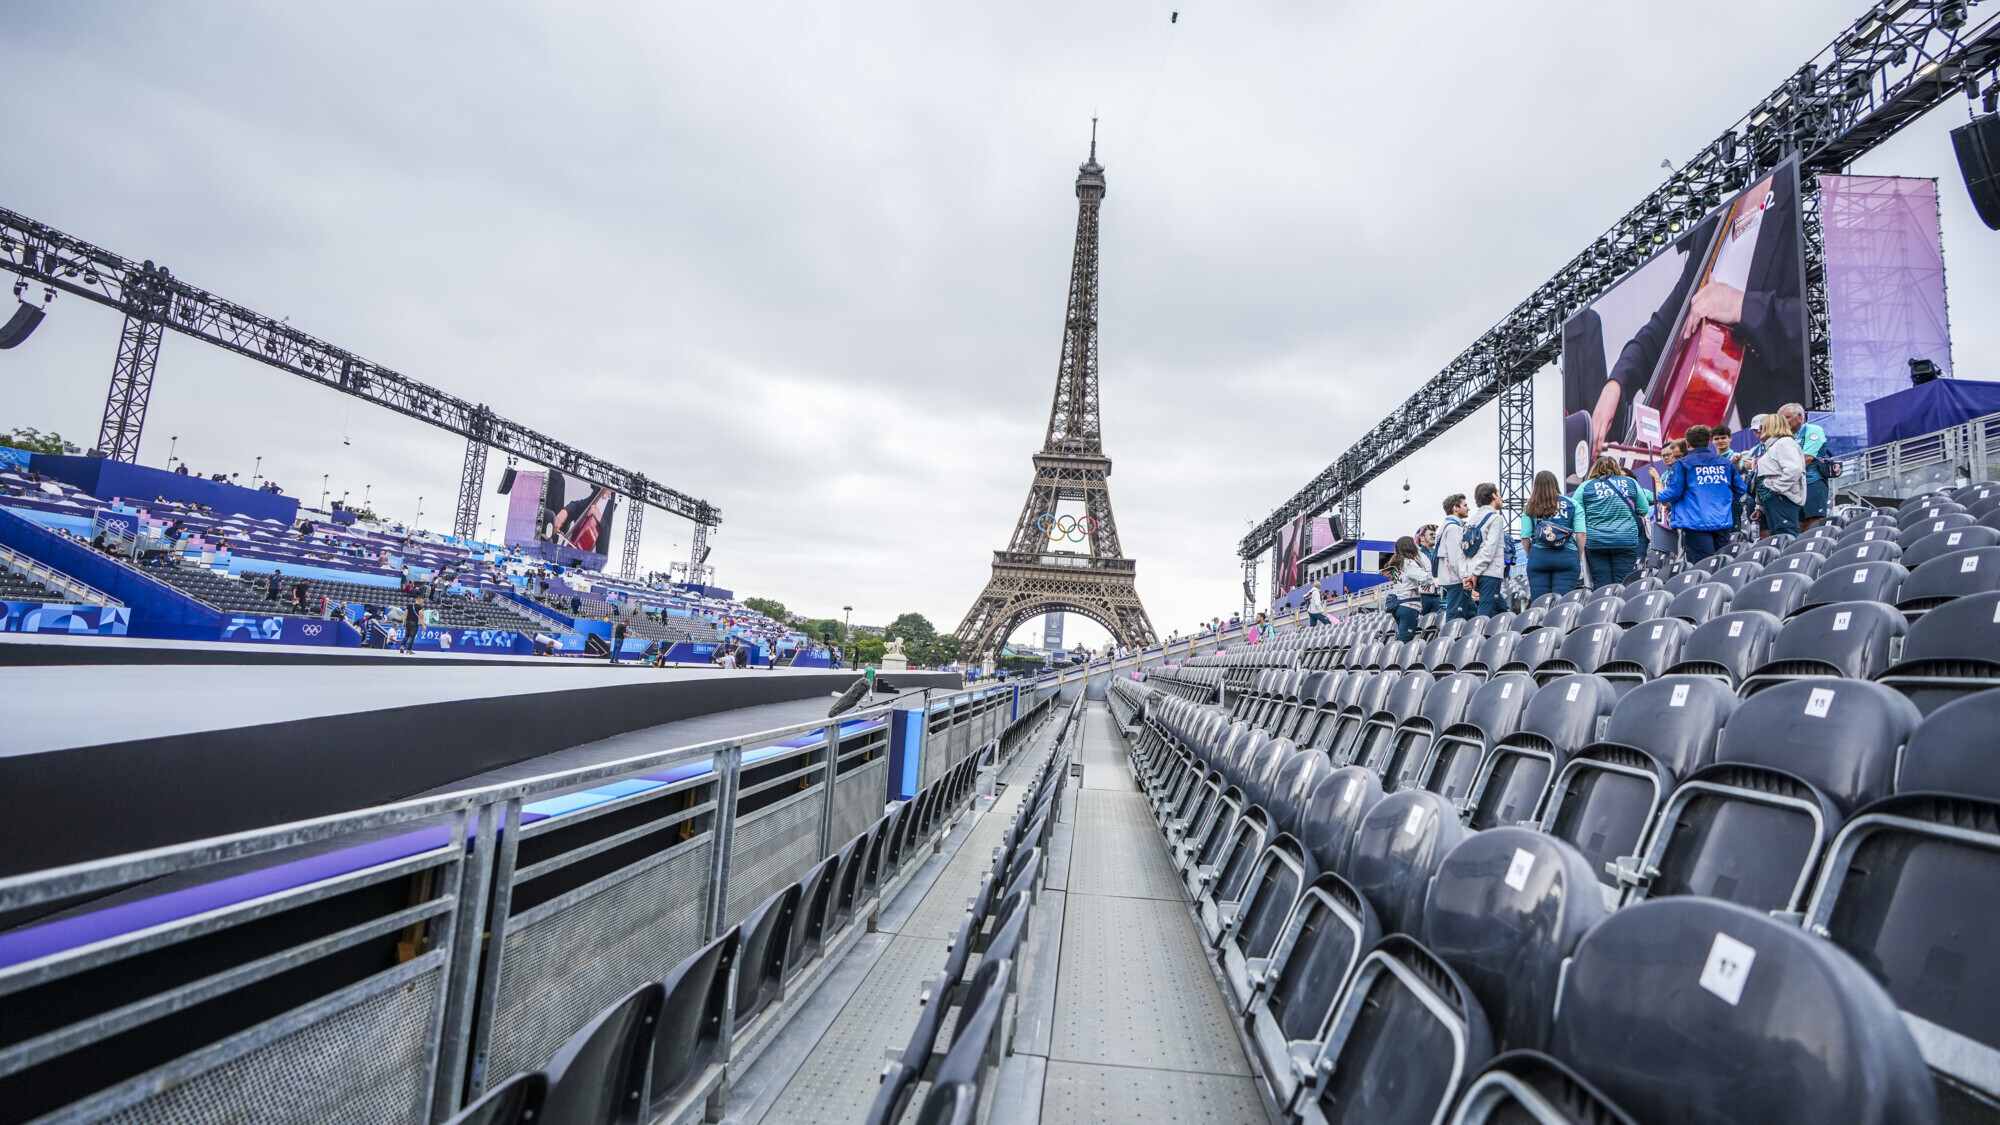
(1066, 561)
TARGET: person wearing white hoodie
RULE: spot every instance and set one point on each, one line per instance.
(1480, 573)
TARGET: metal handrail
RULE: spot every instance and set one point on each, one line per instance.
(47, 575)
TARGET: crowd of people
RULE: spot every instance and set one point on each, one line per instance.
(1690, 503)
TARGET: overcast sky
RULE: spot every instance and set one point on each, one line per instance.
(808, 262)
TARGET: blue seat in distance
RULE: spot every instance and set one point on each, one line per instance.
(1334, 812)
(598, 1075)
(1583, 650)
(1281, 875)
(1881, 551)
(1647, 649)
(1404, 702)
(689, 1050)
(1531, 1088)
(1728, 647)
(1794, 762)
(1975, 570)
(1606, 796)
(1328, 933)
(1848, 639)
(1391, 860)
(1225, 882)
(1911, 888)
(1411, 739)
(1506, 909)
(1856, 582)
(1458, 753)
(1402, 1043)
(1565, 715)
(1694, 1009)
(1945, 542)
(516, 1101)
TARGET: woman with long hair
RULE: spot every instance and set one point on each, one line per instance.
(1553, 526)
(1427, 551)
(1780, 468)
(1613, 504)
(1407, 573)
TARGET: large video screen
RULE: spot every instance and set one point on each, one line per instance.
(560, 516)
(1711, 332)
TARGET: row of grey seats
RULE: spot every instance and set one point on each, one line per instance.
(1368, 936)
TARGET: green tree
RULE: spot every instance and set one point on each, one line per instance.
(776, 611)
(825, 629)
(33, 440)
(868, 650)
(914, 628)
(939, 651)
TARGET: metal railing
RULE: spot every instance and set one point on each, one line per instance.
(385, 964)
(18, 563)
(1899, 469)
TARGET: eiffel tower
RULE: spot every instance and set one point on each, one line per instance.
(1041, 572)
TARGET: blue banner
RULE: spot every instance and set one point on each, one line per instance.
(52, 617)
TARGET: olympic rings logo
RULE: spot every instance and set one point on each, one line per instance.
(1059, 528)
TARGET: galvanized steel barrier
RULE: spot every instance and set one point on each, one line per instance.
(384, 965)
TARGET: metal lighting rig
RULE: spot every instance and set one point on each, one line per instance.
(1897, 62)
(153, 300)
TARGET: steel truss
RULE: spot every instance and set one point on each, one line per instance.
(152, 295)
(1897, 62)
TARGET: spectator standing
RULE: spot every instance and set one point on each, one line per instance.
(1427, 541)
(273, 583)
(1781, 475)
(1555, 529)
(1701, 489)
(1255, 633)
(1482, 568)
(1407, 573)
(1812, 444)
(1315, 606)
(1451, 557)
(1665, 536)
(618, 639)
(1611, 503)
(413, 623)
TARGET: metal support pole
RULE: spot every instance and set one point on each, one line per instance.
(1517, 442)
(131, 389)
(698, 555)
(728, 767)
(496, 947)
(471, 482)
(1350, 514)
(468, 928)
(826, 841)
(1249, 593)
(628, 567)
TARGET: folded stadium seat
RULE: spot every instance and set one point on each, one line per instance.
(1404, 702)
(1531, 1087)
(1400, 1044)
(1806, 564)
(1545, 600)
(1951, 651)
(760, 971)
(1223, 884)
(1973, 571)
(1804, 545)
(1849, 639)
(1599, 610)
(1333, 813)
(1384, 747)
(1647, 649)
(874, 868)
(1945, 542)
(1912, 531)
(1319, 721)
(1977, 492)
(1698, 605)
(1793, 763)
(956, 1091)
(1272, 702)
(689, 1046)
(1729, 647)
(1204, 840)
(1458, 752)
(1259, 697)
(1856, 582)
(1560, 618)
(1506, 910)
(1493, 652)
(1869, 534)
(1605, 797)
(1532, 650)
(1280, 876)
(516, 1101)
(1463, 651)
(1984, 506)
(812, 921)
(1687, 580)
(1399, 846)
(1884, 551)
(1329, 931)
(1293, 787)
(1368, 697)
(1194, 808)
(1564, 716)
(1691, 1009)
(1575, 597)
(1586, 647)
(1261, 780)
(1646, 606)
(1911, 888)
(598, 1075)
(905, 1068)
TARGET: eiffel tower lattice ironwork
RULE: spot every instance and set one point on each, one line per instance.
(1040, 572)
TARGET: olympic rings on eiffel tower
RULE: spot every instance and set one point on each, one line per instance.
(1072, 528)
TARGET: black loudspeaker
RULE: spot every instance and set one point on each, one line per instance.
(507, 481)
(19, 325)
(1978, 148)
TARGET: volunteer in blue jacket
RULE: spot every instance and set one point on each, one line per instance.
(1612, 503)
(1553, 527)
(1701, 489)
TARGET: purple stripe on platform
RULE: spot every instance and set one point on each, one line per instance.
(70, 933)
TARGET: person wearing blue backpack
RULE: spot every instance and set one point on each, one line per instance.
(1612, 503)
(1553, 526)
(1481, 560)
(1701, 489)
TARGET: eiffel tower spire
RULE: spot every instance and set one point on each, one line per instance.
(1065, 556)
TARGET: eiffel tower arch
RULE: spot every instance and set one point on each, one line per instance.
(1038, 574)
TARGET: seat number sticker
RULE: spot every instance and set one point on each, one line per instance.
(1414, 823)
(1970, 564)
(1735, 628)
(1861, 576)
(1841, 619)
(1578, 686)
(1353, 790)
(1777, 584)
(1728, 967)
(1657, 630)
(1680, 698)
(1517, 871)
(1819, 702)
(1701, 593)
(1953, 538)
(1506, 691)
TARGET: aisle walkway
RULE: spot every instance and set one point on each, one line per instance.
(1131, 1025)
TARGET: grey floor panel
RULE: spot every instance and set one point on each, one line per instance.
(1034, 1018)
(1118, 850)
(1080, 1092)
(1017, 1090)
(1135, 990)
(1062, 840)
(753, 1091)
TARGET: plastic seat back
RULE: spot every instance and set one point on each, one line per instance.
(1945, 542)
(1730, 646)
(598, 1075)
(1702, 603)
(1914, 530)
(1401, 842)
(1972, 571)
(811, 922)
(1564, 716)
(1520, 1087)
(1409, 745)
(1738, 574)
(1685, 581)
(1587, 647)
(1884, 550)
(1333, 814)
(1533, 650)
(1282, 873)
(1647, 649)
(1951, 651)
(767, 932)
(1506, 910)
(1559, 618)
(516, 1101)
(1463, 651)
(689, 1039)
(1856, 582)
(1849, 639)
(1293, 787)
(1687, 1009)
(1461, 749)
(1645, 607)
(1600, 610)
